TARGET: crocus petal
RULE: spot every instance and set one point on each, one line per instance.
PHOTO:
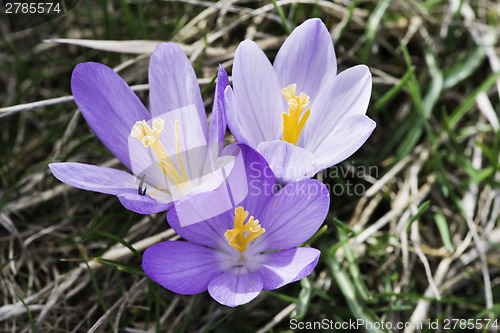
(181, 267)
(143, 204)
(108, 104)
(94, 178)
(288, 162)
(306, 57)
(173, 83)
(218, 118)
(218, 192)
(347, 137)
(294, 214)
(208, 233)
(233, 289)
(259, 182)
(343, 95)
(233, 110)
(257, 93)
(183, 130)
(259, 179)
(287, 266)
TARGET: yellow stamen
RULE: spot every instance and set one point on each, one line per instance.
(151, 138)
(292, 125)
(237, 237)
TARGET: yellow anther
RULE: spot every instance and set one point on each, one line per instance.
(237, 237)
(148, 140)
(292, 122)
(151, 138)
(158, 124)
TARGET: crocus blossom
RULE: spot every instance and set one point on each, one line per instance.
(299, 113)
(249, 248)
(165, 148)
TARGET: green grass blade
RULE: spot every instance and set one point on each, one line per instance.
(357, 307)
(28, 311)
(304, 299)
(372, 27)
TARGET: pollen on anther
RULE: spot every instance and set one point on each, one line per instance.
(295, 119)
(243, 234)
(158, 125)
(148, 140)
(137, 130)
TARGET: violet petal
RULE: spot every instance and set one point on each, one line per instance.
(218, 122)
(306, 58)
(288, 162)
(294, 214)
(233, 289)
(94, 178)
(257, 95)
(108, 104)
(173, 83)
(287, 266)
(181, 267)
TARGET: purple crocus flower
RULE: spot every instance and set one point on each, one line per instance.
(152, 145)
(298, 113)
(248, 248)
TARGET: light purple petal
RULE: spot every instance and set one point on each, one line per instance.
(257, 94)
(173, 83)
(294, 214)
(191, 138)
(219, 191)
(306, 58)
(208, 233)
(218, 118)
(287, 266)
(259, 182)
(108, 104)
(233, 110)
(181, 267)
(233, 289)
(350, 134)
(288, 162)
(143, 204)
(94, 178)
(343, 95)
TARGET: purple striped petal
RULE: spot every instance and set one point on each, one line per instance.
(343, 95)
(257, 96)
(233, 289)
(143, 204)
(288, 162)
(94, 178)
(173, 83)
(181, 267)
(219, 192)
(294, 214)
(306, 58)
(218, 122)
(350, 134)
(108, 104)
(287, 266)
(259, 182)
